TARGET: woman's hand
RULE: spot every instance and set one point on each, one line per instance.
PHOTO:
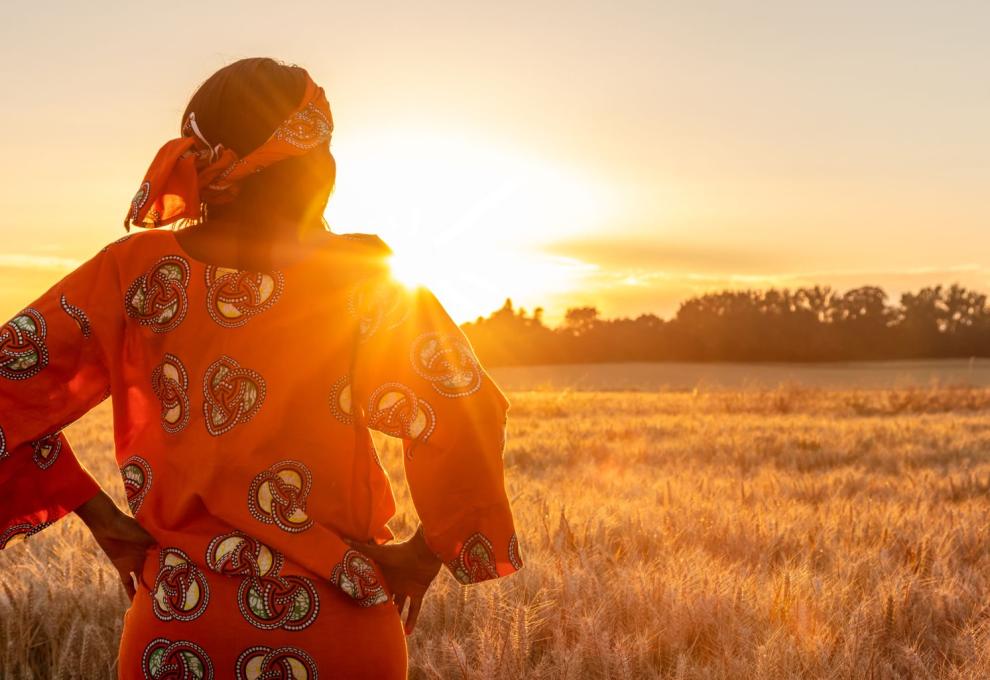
(409, 567)
(119, 535)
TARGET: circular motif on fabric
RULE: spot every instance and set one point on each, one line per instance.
(233, 296)
(179, 660)
(278, 496)
(341, 400)
(136, 473)
(77, 315)
(378, 305)
(170, 383)
(284, 663)
(140, 198)
(356, 576)
(233, 395)
(20, 532)
(305, 128)
(237, 554)
(3, 445)
(393, 408)
(514, 559)
(342, 407)
(448, 362)
(158, 298)
(266, 599)
(476, 561)
(271, 602)
(23, 352)
(180, 591)
(46, 450)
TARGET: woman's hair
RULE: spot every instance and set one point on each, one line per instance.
(240, 106)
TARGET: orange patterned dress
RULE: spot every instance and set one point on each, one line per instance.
(242, 403)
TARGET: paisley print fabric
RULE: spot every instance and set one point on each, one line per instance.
(178, 660)
(284, 663)
(243, 406)
(356, 576)
(237, 554)
(137, 475)
(180, 591)
(278, 496)
(265, 599)
(46, 450)
(476, 562)
(170, 383)
(78, 315)
(447, 361)
(19, 532)
(306, 128)
(158, 298)
(341, 400)
(232, 395)
(233, 296)
(393, 408)
(23, 352)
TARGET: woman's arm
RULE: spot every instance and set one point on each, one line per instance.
(54, 367)
(55, 356)
(417, 377)
(119, 535)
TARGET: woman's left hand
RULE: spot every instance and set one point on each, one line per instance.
(409, 568)
(122, 539)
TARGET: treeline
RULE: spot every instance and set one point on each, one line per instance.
(806, 324)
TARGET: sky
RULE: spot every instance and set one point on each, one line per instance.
(620, 155)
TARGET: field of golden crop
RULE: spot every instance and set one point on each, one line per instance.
(764, 534)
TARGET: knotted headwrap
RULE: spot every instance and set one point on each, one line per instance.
(189, 171)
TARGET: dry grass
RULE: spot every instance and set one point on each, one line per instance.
(779, 534)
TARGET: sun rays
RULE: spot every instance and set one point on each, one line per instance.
(464, 217)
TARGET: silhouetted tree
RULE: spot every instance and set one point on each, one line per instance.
(803, 324)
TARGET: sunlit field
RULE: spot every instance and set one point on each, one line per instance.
(679, 376)
(784, 533)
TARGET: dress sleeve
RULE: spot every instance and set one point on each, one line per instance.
(53, 369)
(416, 376)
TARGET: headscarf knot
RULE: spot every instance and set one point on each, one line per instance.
(189, 171)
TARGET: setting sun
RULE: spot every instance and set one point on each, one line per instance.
(465, 218)
(466, 281)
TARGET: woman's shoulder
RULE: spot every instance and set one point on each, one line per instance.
(357, 256)
(136, 242)
(370, 243)
(137, 251)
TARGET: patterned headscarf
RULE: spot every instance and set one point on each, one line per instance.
(189, 171)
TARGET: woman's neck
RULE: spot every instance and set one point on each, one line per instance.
(228, 242)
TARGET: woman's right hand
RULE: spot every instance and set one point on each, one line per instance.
(120, 537)
(409, 568)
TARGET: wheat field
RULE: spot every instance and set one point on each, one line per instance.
(785, 533)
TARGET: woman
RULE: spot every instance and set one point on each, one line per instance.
(247, 356)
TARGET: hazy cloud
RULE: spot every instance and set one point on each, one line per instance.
(27, 261)
(645, 252)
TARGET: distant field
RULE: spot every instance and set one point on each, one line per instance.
(728, 376)
(787, 533)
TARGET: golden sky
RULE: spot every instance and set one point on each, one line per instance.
(624, 155)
